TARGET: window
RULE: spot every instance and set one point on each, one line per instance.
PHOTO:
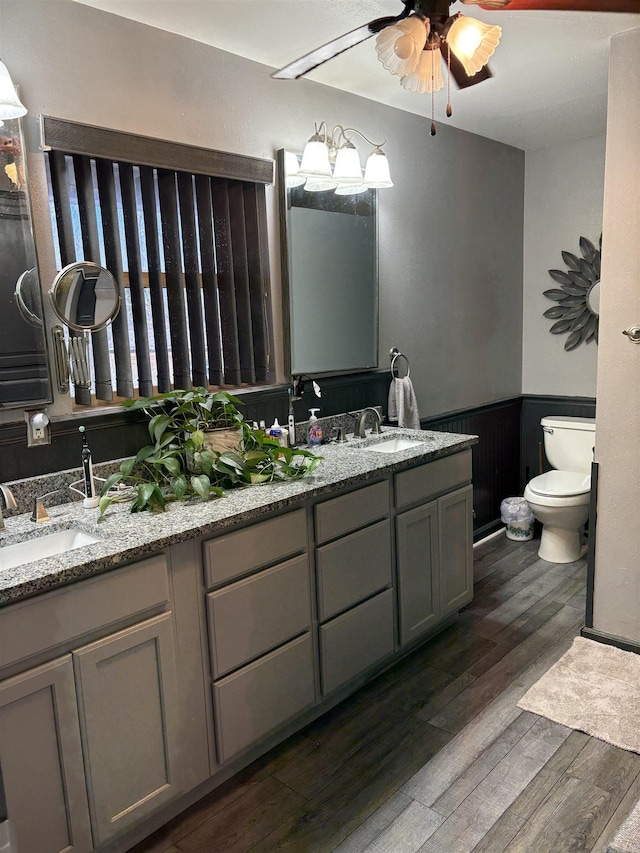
(187, 245)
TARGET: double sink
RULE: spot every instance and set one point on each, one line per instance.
(39, 547)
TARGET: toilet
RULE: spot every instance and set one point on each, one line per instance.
(560, 498)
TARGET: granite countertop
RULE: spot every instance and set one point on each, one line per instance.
(123, 536)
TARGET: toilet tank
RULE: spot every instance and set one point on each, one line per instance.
(569, 442)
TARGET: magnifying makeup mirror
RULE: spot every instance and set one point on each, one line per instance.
(85, 296)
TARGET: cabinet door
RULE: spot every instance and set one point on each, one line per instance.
(41, 760)
(356, 641)
(455, 512)
(418, 571)
(128, 700)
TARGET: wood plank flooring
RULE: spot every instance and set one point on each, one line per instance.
(434, 756)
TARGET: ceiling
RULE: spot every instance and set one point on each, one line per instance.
(550, 69)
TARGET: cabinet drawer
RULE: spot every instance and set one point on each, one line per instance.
(254, 547)
(349, 512)
(256, 614)
(64, 615)
(434, 478)
(257, 699)
(353, 568)
(355, 641)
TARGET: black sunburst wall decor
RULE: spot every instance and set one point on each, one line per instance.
(578, 297)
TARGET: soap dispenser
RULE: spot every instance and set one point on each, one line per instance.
(314, 430)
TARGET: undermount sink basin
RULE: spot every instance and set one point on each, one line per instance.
(392, 445)
(43, 546)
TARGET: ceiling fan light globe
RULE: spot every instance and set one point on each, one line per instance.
(427, 77)
(473, 42)
(315, 160)
(400, 45)
(10, 104)
(376, 173)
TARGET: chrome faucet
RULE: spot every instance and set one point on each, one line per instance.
(360, 423)
(9, 502)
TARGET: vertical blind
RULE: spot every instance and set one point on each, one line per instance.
(187, 246)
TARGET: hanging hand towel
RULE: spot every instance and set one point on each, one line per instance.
(403, 406)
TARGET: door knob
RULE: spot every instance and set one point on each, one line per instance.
(633, 333)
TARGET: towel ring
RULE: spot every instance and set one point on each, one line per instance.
(395, 355)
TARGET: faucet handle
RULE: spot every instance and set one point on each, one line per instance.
(39, 512)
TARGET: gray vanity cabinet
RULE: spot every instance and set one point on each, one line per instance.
(354, 580)
(42, 760)
(259, 618)
(88, 739)
(129, 718)
(433, 543)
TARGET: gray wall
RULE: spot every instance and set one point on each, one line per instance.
(564, 185)
(450, 229)
(617, 576)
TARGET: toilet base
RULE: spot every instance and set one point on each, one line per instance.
(558, 545)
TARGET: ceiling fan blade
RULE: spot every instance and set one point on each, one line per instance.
(463, 81)
(323, 54)
(628, 6)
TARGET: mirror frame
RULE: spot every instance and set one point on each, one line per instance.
(58, 283)
(287, 284)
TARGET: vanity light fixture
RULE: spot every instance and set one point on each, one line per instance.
(10, 104)
(325, 149)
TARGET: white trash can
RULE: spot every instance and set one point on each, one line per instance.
(517, 515)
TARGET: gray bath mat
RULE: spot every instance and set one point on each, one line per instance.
(594, 688)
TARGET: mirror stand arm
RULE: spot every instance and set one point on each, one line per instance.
(61, 359)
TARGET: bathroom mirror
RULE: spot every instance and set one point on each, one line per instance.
(24, 372)
(85, 296)
(330, 279)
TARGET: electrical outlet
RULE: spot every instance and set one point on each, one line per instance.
(38, 429)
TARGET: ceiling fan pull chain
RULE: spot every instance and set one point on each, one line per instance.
(433, 97)
(449, 110)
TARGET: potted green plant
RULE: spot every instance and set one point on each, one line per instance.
(181, 464)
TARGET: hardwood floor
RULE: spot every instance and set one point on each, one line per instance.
(434, 756)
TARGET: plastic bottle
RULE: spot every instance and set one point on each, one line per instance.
(275, 431)
(284, 438)
(314, 430)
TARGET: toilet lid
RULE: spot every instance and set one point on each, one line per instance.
(559, 483)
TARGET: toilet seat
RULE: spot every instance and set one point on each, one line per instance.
(559, 484)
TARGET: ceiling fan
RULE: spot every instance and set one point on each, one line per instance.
(413, 43)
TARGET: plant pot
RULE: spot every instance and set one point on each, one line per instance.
(223, 438)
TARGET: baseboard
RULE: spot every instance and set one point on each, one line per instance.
(610, 640)
(487, 530)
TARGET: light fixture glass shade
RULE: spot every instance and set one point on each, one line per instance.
(315, 159)
(428, 75)
(10, 105)
(376, 173)
(347, 167)
(320, 185)
(292, 169)
(351, 189)
(473, 42)
(399, 46)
